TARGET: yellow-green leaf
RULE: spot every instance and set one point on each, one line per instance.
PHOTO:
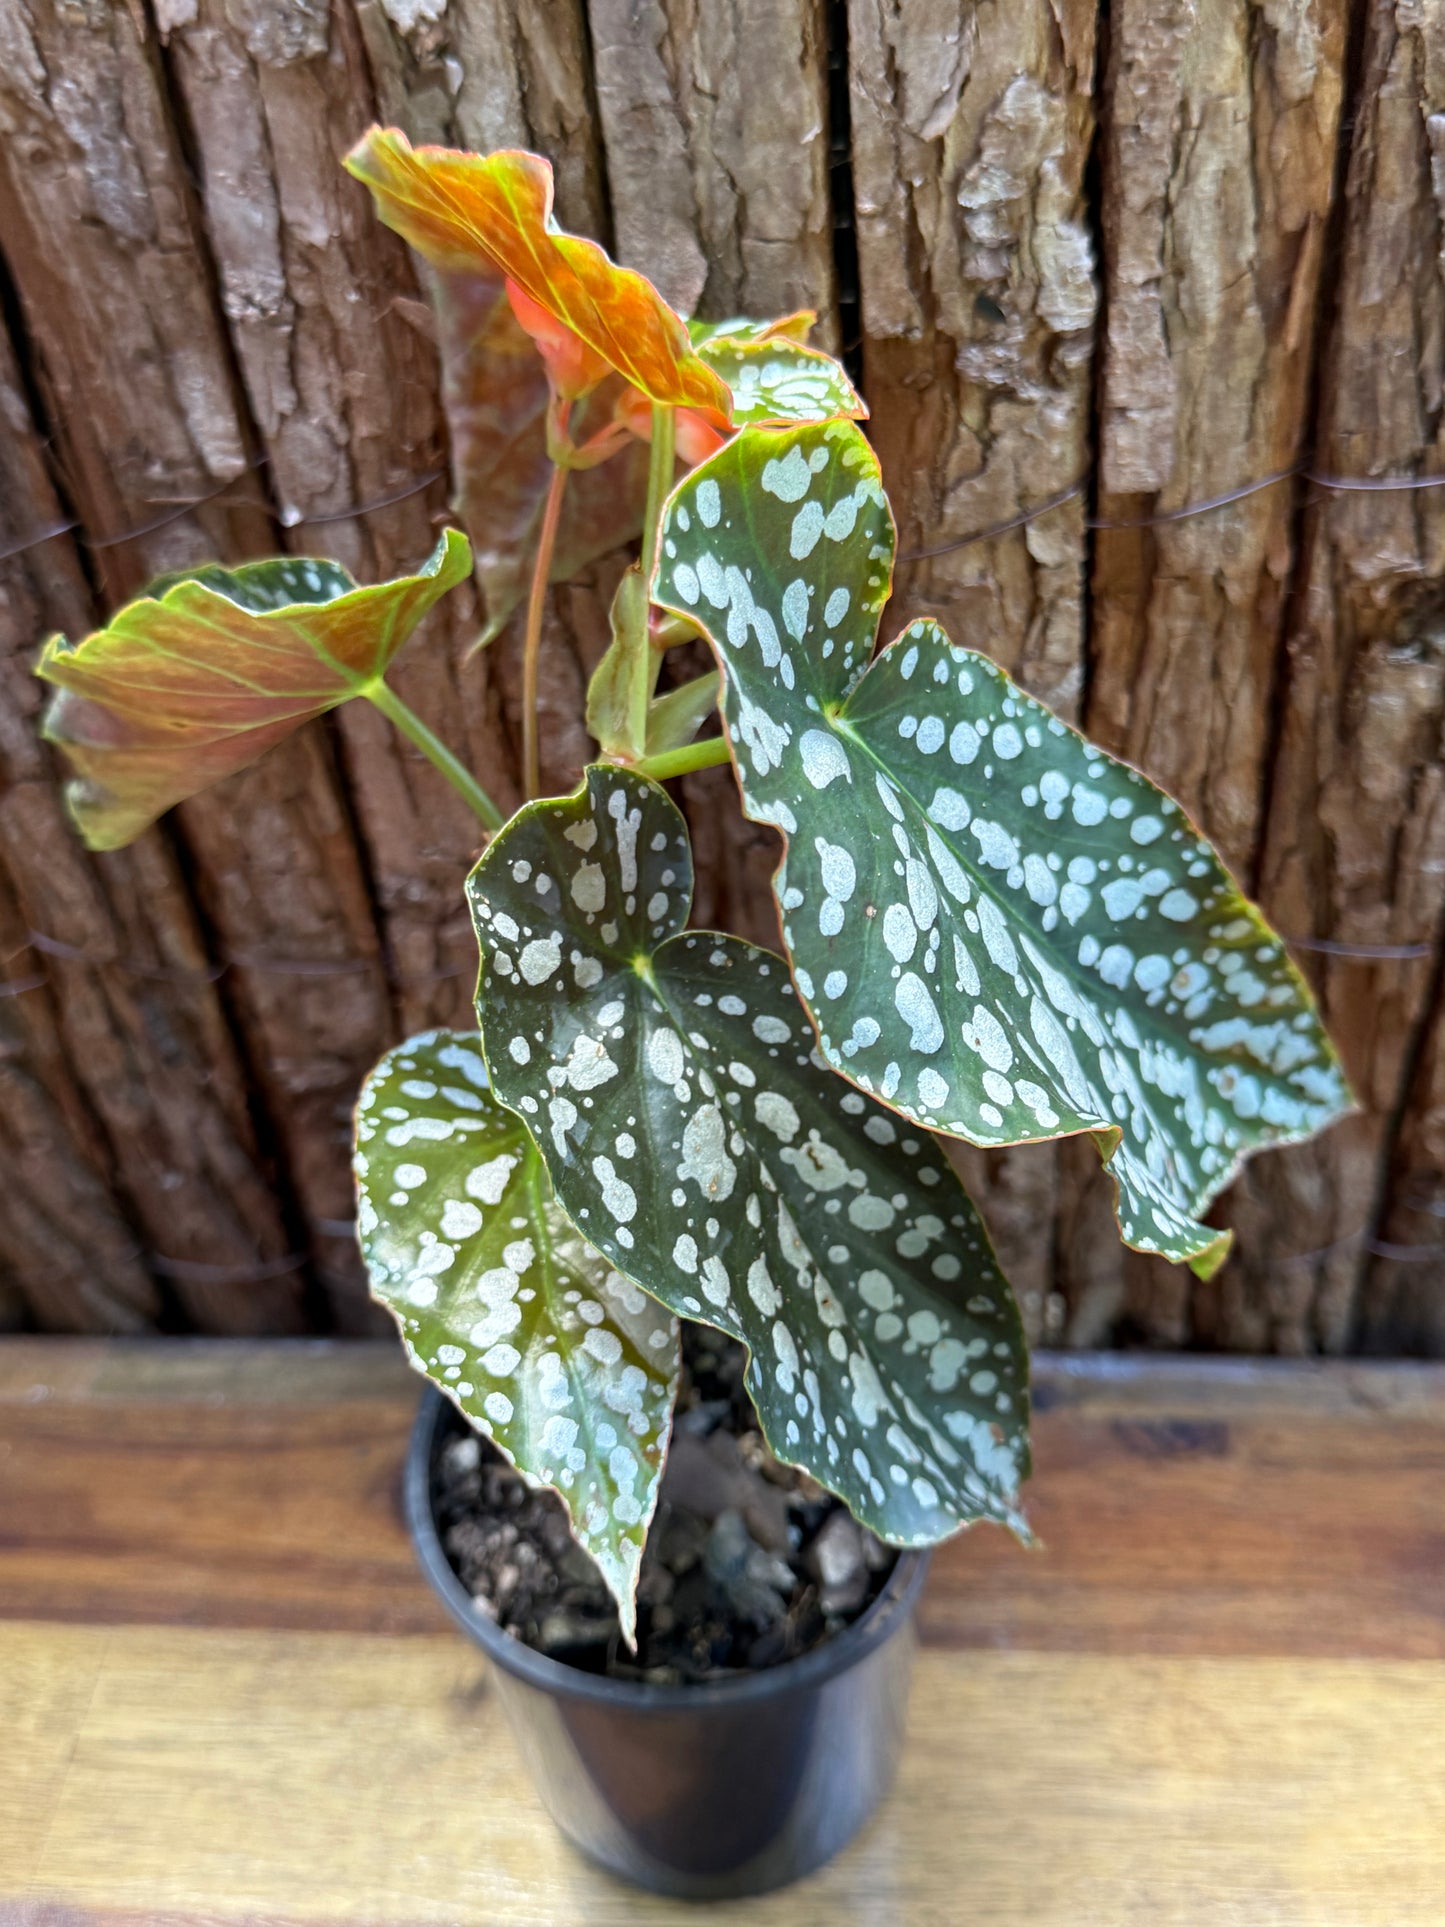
(181, 689)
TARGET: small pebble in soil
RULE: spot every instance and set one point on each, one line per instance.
(748, 1563)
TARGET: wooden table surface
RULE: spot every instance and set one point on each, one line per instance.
(1217, 1695)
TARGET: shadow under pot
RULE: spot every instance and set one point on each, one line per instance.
(720, 1788)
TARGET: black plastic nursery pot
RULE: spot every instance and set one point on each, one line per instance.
(711, 1790)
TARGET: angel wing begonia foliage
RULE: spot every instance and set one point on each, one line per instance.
(991, 930)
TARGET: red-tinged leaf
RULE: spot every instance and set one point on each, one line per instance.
(496, 393)
(456, 209)
(524, 310)
(181, 689)
(574, 368)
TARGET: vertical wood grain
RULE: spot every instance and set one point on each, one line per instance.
(1402, 1305)
(716, 137)
(715, 124)
(226, 315)
(1219, 126)
(149, 1156)
(137, 372)
(1219, 134)
(341, 382)
(1354, 844)
(972, 125)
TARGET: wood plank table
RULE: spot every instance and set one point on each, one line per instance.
(1217, 1695)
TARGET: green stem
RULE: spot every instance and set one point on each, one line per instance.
(435, 750)
(661, 463)
(677, 762)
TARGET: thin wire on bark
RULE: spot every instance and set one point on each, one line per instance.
(276, 1267)
(1342, 484)
(71, 525)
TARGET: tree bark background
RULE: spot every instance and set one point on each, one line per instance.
(1092, 267)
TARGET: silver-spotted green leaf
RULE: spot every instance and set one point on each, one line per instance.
(670, 1080)
(275, 582)
(998, 929)
(523, 1324)
(778, 380)
(789, 327)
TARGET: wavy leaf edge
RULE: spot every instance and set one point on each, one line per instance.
(1007, 1511)
(409, 1273)
(384, 159)
(137, 750)
(1210, 1252)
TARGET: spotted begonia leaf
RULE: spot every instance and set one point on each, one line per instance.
(670, 1081)
(775, 380)
(789, 327)
(998, 929)
(181, 689)
(525, 1326)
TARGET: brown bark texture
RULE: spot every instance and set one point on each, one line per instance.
(1353, 849)
(715, 128)
(1218, 131)
(1092, 269)
(971, 134)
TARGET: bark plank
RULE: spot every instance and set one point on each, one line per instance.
(1354, 845)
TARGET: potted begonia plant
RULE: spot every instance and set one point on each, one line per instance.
(991, 929)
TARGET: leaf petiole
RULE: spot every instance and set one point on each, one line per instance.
(385, 698)
(661, 463)
(711, 751)
(674, 719)
(532, 639)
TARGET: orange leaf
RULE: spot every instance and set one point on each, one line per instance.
(454, 207)
(496, 393)
(574, 368)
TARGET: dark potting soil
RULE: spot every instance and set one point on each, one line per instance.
(748, 1563)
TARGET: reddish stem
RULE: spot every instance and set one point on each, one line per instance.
(532, 640)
